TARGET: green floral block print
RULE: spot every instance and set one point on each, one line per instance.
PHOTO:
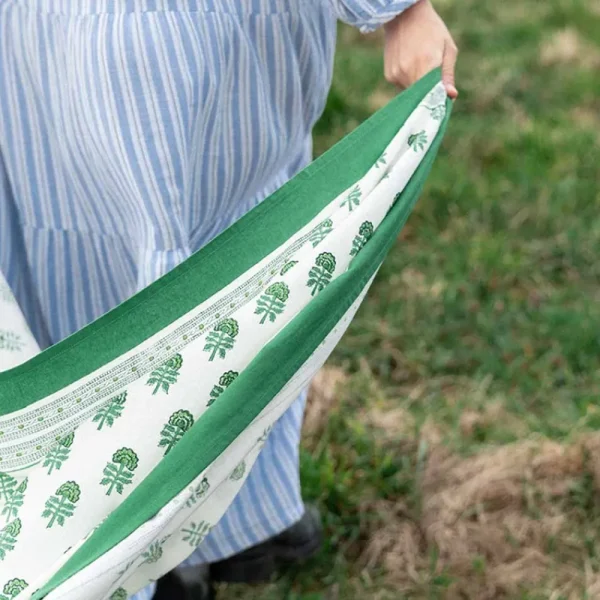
(262, 440)
(180, 422)
(7, 486)
(8, 537)
(287, 267)
(418, 141)
(59, 454)
(110, 412)
(224, 382)
(119, 472)
(238, 472)
(119, 594)
(365, 233)
(352, 200)
(194, 534)
(320, 275)
(222, 338)
(320, 232)
(62, 505)
(154, 553)
(199, 492)
(12, 495)
(163, 377)
(437, 112)
(9, 341)
(437, 104)
(381, 161)
(272, 302)
(125, 569)
(13, 588)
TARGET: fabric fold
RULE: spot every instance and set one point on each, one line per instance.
(123, 445)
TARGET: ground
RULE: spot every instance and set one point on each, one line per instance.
(451, 443)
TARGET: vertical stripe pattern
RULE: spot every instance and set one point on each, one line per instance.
(367, 15)
(134, 131)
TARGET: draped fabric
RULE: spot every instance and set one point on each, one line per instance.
(123, 445)
(132, 132)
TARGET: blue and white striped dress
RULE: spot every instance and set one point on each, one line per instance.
(134, 131)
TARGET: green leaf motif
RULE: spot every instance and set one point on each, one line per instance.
(125, 569)
(15, 501)
(166, 375)
(59, 454)
(62, 506)
(119, 472)
(180, 422)
(238, 472)
(224, 382)
(320, 275)
(381, 161)
(365, 233)
(272, 302)
(265, 435)
(320, 232)
(11, 342)
(199, 492)
(8, 537)
(222, 338)
(13, 588)
(418, 141)
(7, 486)
(194, 535)
(352, 200)
(119, 594)
(287, 267)
(437, 112)
(153, 554)
(110, 412)
(436, 103)
(68, 440)
(11, 496)
(437, 95)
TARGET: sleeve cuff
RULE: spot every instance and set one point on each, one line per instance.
(369, 15)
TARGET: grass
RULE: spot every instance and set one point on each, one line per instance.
(458, 456)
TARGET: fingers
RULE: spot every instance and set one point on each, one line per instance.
(449, 68)
(406, 71)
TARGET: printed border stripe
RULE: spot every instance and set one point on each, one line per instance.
(236, 250)
(277, 362)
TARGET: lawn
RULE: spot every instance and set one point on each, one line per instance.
(451, 442)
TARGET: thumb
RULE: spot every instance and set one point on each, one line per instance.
(449, 67)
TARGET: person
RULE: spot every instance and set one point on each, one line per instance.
(132, 132)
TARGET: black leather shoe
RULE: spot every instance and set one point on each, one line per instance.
(259, 563)
(189, 583)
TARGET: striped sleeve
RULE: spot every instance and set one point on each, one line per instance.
(368, 15)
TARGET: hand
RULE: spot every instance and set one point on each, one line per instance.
(416, 42)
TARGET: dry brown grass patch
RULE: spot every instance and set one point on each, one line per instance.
(323, 398)
(392, 423)
(492, 413)
(416, 285)
(491, 519)
(569, 47)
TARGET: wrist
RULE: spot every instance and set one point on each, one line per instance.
(409, 12)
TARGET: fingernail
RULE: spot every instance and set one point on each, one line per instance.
(451, 91)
